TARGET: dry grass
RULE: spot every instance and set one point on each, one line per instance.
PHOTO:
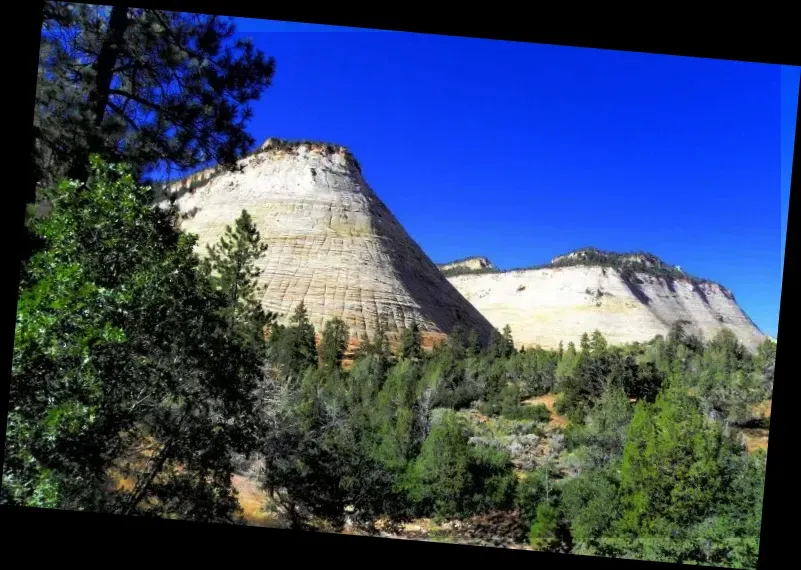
(762, 410)
(253, 502)
(549, 400)
(755, 438)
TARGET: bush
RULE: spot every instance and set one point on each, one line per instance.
(538, 413)
(530, 491)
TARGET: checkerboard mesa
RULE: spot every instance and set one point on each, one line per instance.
(332, 242)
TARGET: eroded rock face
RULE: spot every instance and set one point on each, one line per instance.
(471, 263)
(332, 243)
(546, 306)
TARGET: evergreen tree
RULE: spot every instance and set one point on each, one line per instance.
(232, 263)
(457, 342)
(334, 343)
(411, 342)
(293, 348)
(142, 86)
(499, 346)
(473, 343)
(585, 343)
(674, 465)
(450, 478)
(544, 530)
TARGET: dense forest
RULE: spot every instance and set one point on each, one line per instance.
(145, 374)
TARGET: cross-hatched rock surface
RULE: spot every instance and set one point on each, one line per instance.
(332, 242)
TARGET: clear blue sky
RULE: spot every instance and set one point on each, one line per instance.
(521, 152)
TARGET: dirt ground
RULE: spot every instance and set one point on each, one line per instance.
(549, 400)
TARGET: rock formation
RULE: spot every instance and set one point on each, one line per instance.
(468, 264)
(628, 297)
(332, 243)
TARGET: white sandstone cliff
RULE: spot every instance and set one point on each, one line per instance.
(548, 305)
(332, 243)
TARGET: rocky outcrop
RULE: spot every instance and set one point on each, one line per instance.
(332, 242)
(632, 301)
(469, 264)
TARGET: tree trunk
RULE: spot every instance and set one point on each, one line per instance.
(143, 484)
(99, 95)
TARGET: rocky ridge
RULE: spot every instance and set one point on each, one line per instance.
(628, 297)
(468, 264)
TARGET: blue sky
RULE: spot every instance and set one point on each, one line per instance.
(521, 152)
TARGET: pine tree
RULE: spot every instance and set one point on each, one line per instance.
(457, 341)
(232, 263)
(142, 86)
(507, 336)
(380, 345)
(292, 348)
(333, 343)
(473, 343)
(411, 342)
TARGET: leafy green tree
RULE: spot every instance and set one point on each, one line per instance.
(334, 343)
(500, 346)
(566, 367)
(318, 458)
(142, 86)
(457, 342)
(379, 346)
(765, 362)
(528, 495)
(411, 342)
(507, 336)
(398, 427)
(122, 350)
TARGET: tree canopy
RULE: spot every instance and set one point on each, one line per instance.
(151, 88)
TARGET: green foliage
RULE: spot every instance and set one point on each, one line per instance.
(121, 340)
(378, 347)
(604, 431)
(544, 530)
(452, 478)
(509, 405)
(141, 86)
(529, 494)
(500, 345)
(333, 344)
(292, 348)
(232, 264)
(411, 342)
(675, 464)
(124, 335)
(463, 270)
(590, 503)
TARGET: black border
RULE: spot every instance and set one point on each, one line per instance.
(83, 536)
